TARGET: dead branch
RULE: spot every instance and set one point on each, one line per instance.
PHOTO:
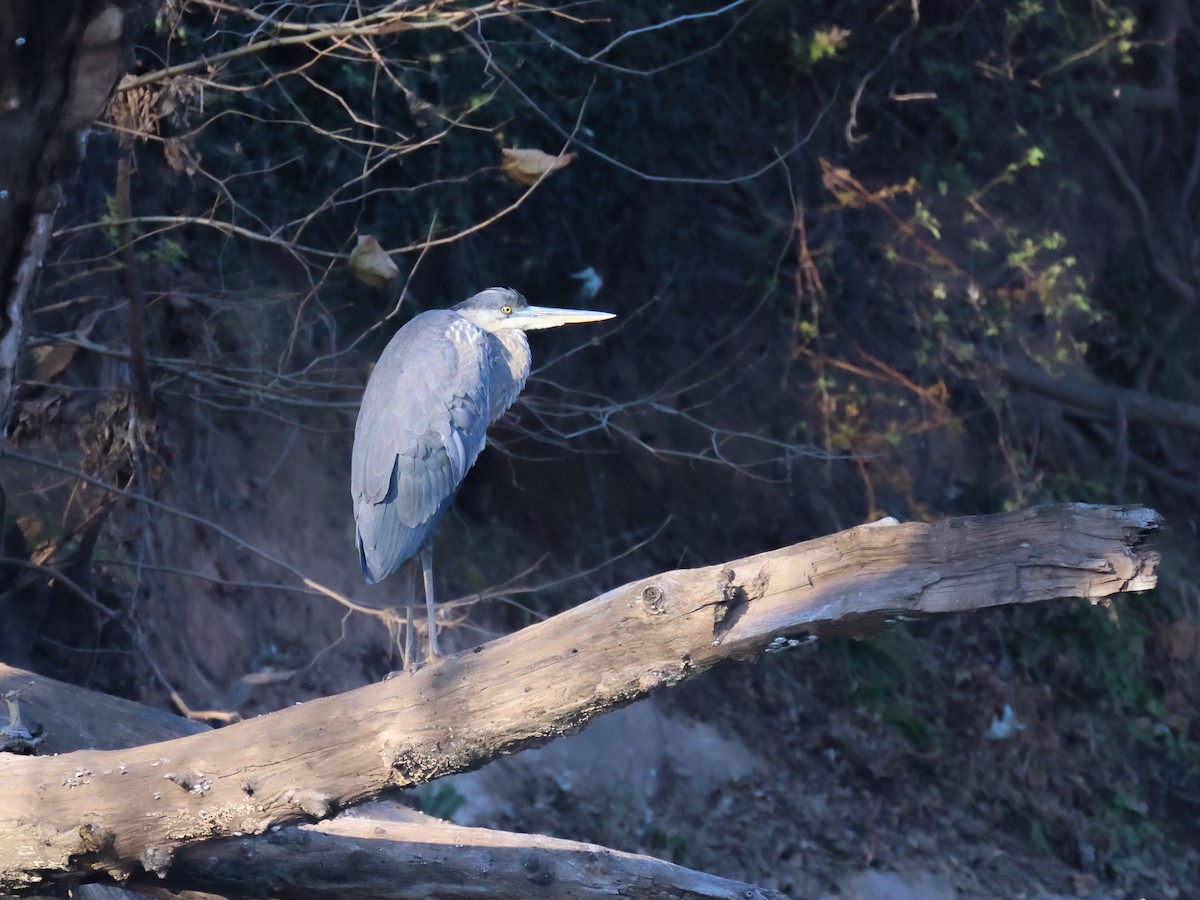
(386, 21)
(1096, 396)
(116, 810)
(1171, 267)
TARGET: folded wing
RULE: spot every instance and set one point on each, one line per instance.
(421, 426)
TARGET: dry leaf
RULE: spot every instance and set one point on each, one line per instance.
(179, 157)
(370, 263)
(51, 360)
(527, 166)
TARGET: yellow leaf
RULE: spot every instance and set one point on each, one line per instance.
(370, 263)
(527, 166)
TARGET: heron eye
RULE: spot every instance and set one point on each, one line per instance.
(507, 310)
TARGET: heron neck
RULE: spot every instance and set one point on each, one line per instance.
(509, 369)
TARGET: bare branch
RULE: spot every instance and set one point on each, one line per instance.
(611, 160)
(397, 16)
(665, 24)
(852, 119)
(1097, 396)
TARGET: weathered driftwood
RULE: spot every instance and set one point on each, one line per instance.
(384, 850)
(116, 810)
(68, 718)
(375, 858)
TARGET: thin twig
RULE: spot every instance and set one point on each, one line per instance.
(143, 394)
(852, 119)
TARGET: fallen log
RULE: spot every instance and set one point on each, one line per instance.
(382, 850)
(413, 860)
(119, 811)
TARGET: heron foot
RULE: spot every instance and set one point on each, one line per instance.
(407, 670)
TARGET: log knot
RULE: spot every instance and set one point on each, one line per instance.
(317, 804)
(193, 781)
(654, 599)
(733, 599)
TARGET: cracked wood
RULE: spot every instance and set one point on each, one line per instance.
(120, 809)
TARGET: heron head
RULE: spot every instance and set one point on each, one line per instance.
(503, 309)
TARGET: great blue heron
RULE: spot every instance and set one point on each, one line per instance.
(442, 380)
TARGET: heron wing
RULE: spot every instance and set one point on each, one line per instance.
(421, 426)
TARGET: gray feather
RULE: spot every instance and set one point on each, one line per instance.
(421, 426)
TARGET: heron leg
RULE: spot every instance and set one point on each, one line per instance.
(409, 662)
(426, 555)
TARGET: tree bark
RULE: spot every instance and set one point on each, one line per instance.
(381, 850)
(117, 810)
(425, 857)
(59, 62)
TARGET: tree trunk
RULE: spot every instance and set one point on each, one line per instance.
(59, 62)
(118, 810)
